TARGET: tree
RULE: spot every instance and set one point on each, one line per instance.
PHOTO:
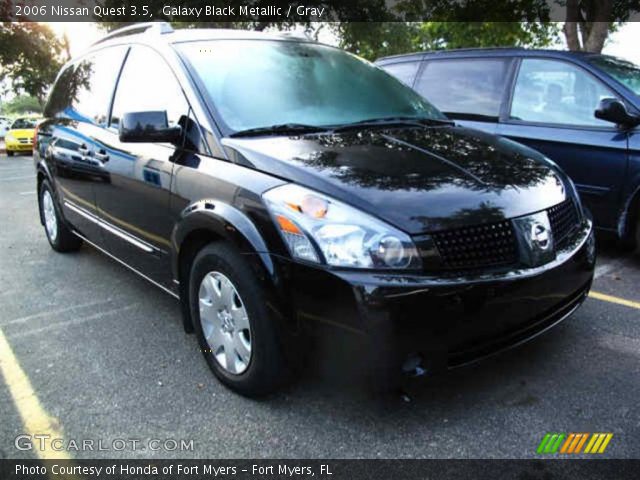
(30, 56)
(589, 22)
(21, 104)
(374, 40)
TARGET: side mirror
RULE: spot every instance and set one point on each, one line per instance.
(613, 110)
(147, 127)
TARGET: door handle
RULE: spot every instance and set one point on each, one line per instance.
(83, 149)
(101, 156)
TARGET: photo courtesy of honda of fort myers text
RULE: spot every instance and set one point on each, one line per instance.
(334, 240)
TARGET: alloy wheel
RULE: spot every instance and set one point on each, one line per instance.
(50, 218)
(225, 322)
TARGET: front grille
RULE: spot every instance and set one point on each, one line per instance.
(495, 245)
(24, 140)
(564, 220)
(491, 245)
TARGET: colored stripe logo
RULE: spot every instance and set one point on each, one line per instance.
(553, 443)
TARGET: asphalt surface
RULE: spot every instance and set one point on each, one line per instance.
(106, 358)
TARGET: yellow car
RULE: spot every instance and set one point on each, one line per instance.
(19, 138)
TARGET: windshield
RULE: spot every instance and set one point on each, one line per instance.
(625, 72)
(23, 123)
(263, 83)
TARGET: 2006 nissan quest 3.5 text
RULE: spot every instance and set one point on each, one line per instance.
(279, 187)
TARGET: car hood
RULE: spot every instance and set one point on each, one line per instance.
(22, 132)
(418, 179)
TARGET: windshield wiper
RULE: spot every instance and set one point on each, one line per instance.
(390, 121)
(282, 129)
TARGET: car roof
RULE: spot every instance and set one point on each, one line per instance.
(170, 36)
(485, 52)
(189, 35)
(160, 34)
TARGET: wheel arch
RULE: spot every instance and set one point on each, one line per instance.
(207, 221)
(630, 214)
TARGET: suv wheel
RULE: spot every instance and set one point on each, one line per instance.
(59, 235)
(235, 331)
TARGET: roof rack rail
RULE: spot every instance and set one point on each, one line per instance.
(156, 27)
(298, 35)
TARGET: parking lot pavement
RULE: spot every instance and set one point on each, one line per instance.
(94, 352)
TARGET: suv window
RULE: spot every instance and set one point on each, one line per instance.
(148, 84)
(405, 71)
(465, 86)
(553, 91)
(83, 91)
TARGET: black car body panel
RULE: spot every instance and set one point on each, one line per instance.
(418, 179)
(151, 206)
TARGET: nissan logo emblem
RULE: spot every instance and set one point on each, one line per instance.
(540, 236)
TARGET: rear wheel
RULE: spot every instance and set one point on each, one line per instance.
(237, 335)
(59, 235)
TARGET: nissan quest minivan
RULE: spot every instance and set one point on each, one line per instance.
(278, 187)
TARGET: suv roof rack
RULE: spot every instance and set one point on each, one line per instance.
(155, 27)
(297, 35)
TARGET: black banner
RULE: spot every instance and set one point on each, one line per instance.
(578, 469)
(221, 11)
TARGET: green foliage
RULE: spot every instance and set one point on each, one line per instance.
(20, 105)
(490, 34)
(374, 40)
(30, 56)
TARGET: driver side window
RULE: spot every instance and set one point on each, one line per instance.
(553, 91)
(148, 84)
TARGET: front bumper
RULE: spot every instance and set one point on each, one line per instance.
(16, 146)
(447, 322)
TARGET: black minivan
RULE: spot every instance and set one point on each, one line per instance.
(580, 109)
(279, 188)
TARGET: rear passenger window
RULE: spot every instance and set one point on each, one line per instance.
(464, 86)
(84, 90)
(405, 71)
(148, 84)
(552, 91)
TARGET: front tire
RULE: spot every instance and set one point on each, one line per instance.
(59, 235)
(236, 333)
(9, 153)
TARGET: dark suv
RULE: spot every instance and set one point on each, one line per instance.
(579, 109)
(278, 187)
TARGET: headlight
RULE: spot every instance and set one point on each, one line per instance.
(319, 229)
(9, 138)
(570, 187)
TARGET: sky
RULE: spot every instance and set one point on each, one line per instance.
(624, 43)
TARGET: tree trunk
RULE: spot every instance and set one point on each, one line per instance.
(587, 25)
(597, 36)
(571, 25)
(571, 34)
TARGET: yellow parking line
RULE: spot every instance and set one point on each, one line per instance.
(35, 419)
(610, 298)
